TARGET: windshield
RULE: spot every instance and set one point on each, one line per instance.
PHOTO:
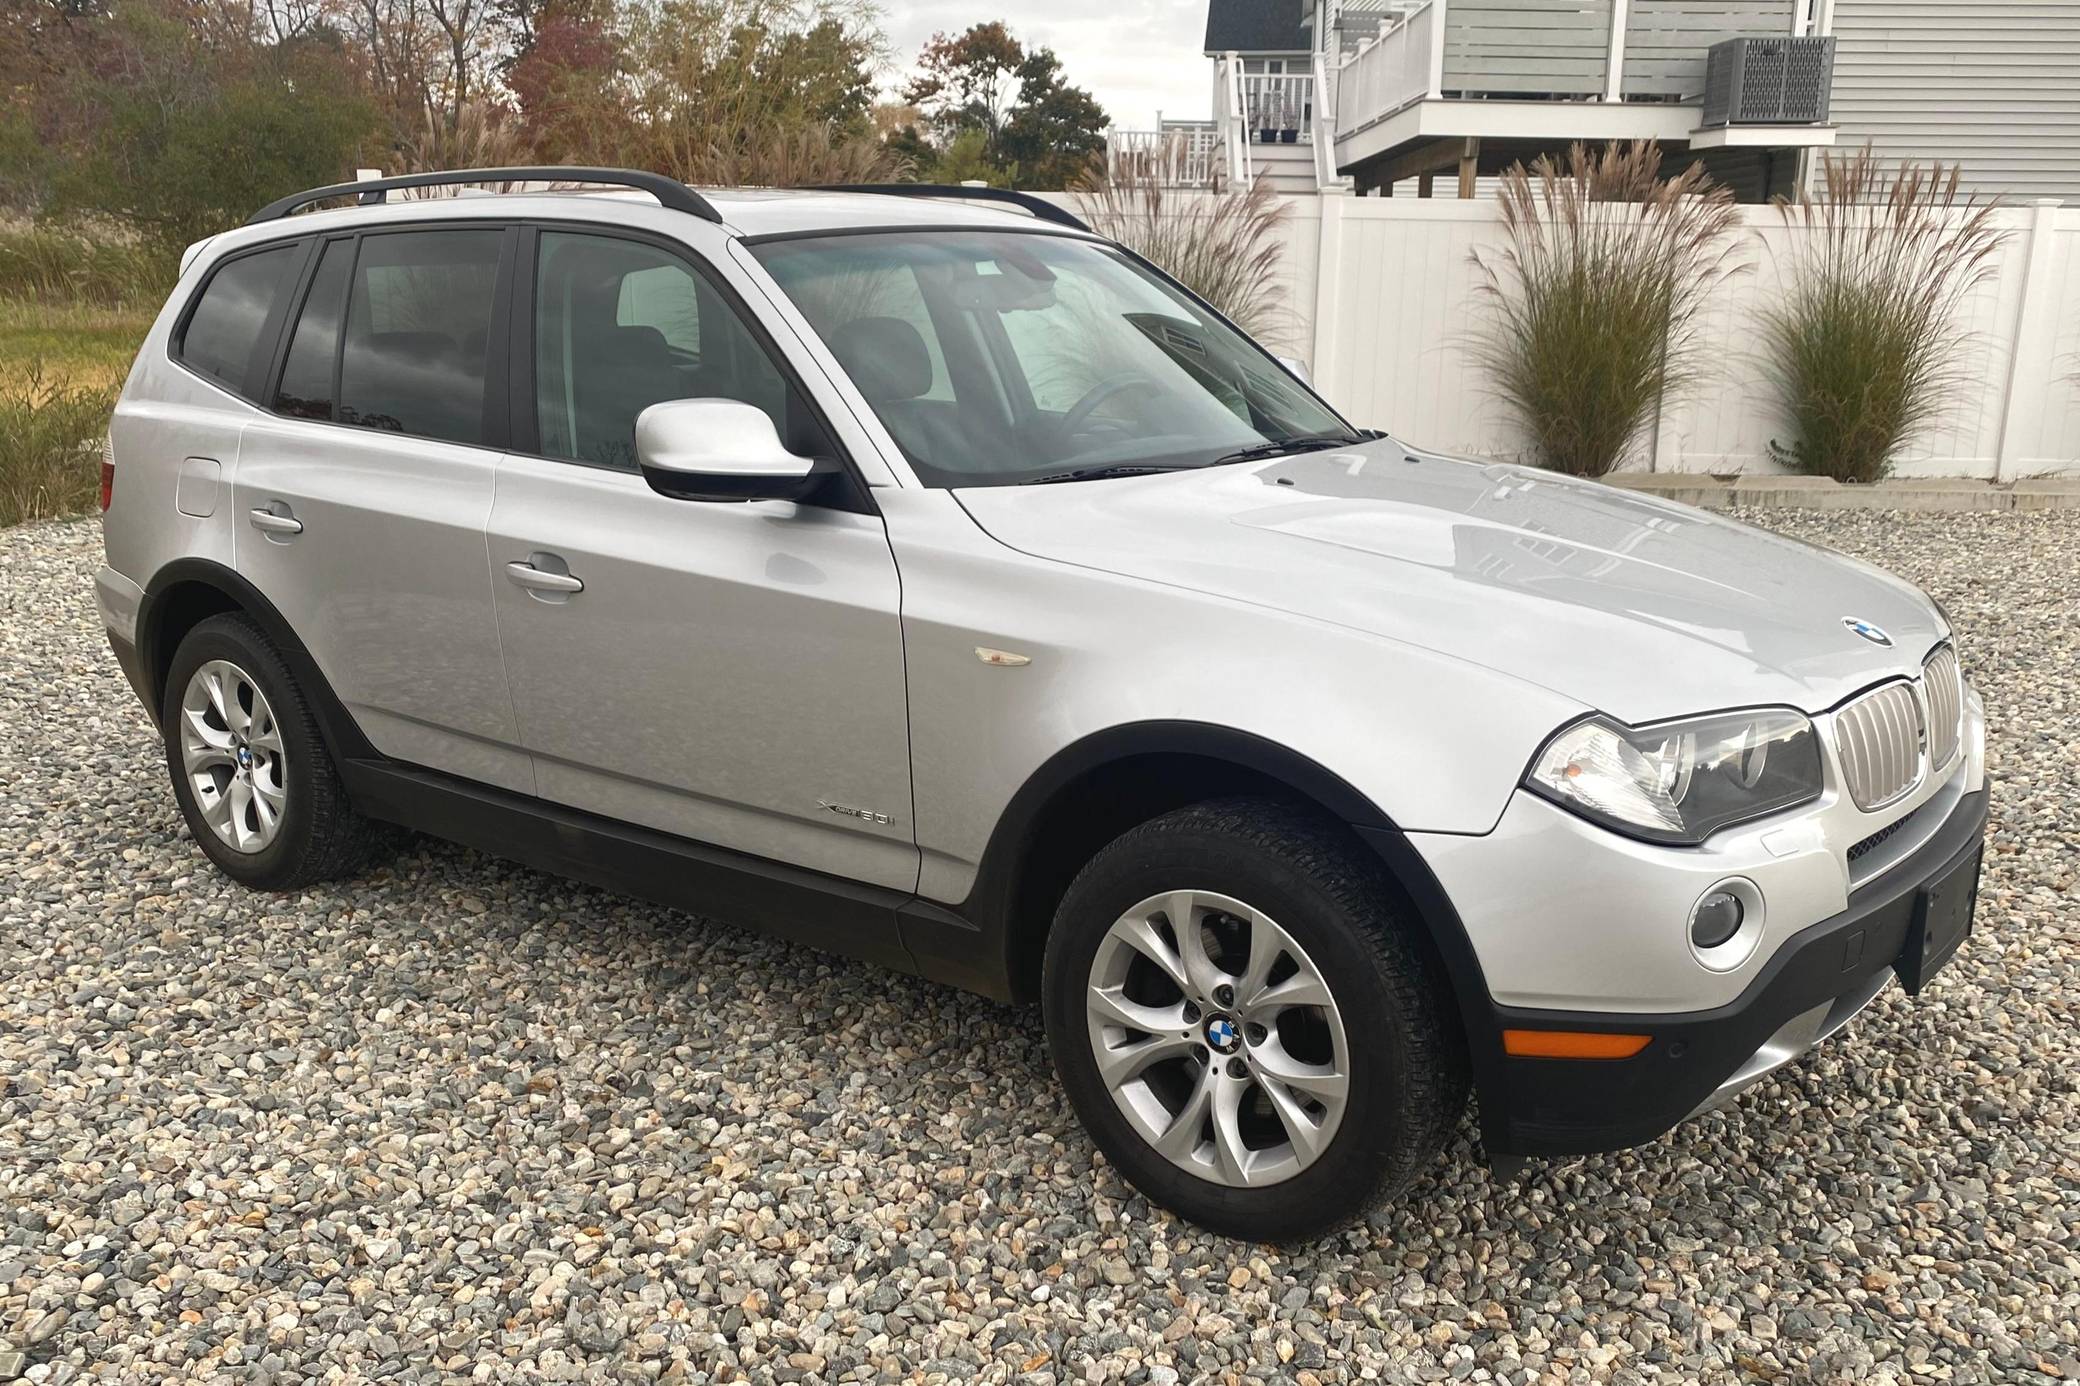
(995, 358)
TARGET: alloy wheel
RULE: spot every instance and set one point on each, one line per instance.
(231, 752)
(1218, 1038)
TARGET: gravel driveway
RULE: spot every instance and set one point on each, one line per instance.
(461, 1121)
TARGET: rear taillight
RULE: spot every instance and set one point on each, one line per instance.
(108, 471)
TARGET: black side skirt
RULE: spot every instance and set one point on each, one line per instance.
(809, 907)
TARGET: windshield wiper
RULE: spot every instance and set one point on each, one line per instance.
(1286, 447)
(1103, 473)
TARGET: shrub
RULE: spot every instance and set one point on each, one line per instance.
(1595, 296)
(1864, 344)
(1224, 246)
(180, 137)
(50, 435)
(803, 156)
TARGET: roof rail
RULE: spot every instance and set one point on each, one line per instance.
(1040, 207)
(670, 193)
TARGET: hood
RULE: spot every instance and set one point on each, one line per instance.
(1639, 607)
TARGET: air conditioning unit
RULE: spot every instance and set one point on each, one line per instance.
(1768, 81)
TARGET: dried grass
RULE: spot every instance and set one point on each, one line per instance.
(98, 265)
(50, 434)
(1595, 295)
(1865, 346)
(1225, 246)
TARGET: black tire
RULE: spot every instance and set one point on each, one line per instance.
(1407, 1081)
(320, 836)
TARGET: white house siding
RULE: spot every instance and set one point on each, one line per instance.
(1993, 85)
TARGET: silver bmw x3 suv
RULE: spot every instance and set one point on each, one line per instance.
(927, 578)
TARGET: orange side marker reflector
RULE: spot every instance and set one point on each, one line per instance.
(1571, 1044)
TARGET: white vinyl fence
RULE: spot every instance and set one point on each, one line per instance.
(1382, 303)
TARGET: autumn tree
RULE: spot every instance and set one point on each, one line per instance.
(1056, 130)
(751, 91)
(562, 72)
(967, 82)
(1001, 111)
(180, 133)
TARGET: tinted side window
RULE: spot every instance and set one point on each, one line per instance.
(223, 331)
(620, 326)
(418, 333)
(306, 388)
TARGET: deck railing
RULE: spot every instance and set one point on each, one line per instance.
(1277, 106)
(1543, 49)
(1393, 69)
(1173, 158)
(1323, 133)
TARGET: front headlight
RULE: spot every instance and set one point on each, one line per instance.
(1680, 781)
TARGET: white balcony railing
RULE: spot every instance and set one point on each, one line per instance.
(1393, 69)
(1324, 132)
(1173, 158)
(1277, 107)
(1227, 120)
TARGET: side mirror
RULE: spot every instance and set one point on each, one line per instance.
(1297, 367)
(717, 450)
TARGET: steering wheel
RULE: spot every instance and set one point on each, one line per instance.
(1081, 411)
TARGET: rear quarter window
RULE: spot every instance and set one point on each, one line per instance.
(222, 336)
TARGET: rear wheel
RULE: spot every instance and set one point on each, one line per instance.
(1245, 1027)
(250, 770)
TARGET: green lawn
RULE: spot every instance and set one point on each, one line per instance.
(73, 344)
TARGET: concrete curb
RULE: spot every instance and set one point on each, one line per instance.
(1941, 494)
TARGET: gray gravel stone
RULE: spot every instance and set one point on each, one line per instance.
(460, 1121)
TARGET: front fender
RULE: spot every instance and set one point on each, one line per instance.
(1432, 743)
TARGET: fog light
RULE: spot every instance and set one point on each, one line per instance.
(1716, 919)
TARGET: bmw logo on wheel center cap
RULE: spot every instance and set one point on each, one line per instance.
(1875, 634)
(1221, 1034)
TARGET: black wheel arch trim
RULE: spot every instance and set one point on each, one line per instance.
(154, 656)
(990, 906)
(976, 944)
(1462, 965)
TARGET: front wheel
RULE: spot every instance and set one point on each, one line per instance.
(1245, 1026)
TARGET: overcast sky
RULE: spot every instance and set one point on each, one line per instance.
(1136, 56)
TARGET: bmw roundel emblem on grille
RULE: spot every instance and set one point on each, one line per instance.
(1875, 634)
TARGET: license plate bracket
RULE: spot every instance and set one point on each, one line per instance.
(1943, 911)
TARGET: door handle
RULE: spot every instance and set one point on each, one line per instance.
(270, 522)
(540, 580)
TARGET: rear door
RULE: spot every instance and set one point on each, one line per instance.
(726, 672)
(361, 501)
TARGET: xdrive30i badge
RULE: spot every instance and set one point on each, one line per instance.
(851, 812)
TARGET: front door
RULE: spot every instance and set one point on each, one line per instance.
(729, 673)
(362, 499)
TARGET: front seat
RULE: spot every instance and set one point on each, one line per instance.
(617, 371)
(887, 359)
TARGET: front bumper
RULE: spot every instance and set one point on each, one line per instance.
(1809, 988)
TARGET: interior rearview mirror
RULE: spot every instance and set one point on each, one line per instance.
(718, 450)
(1297, 367)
